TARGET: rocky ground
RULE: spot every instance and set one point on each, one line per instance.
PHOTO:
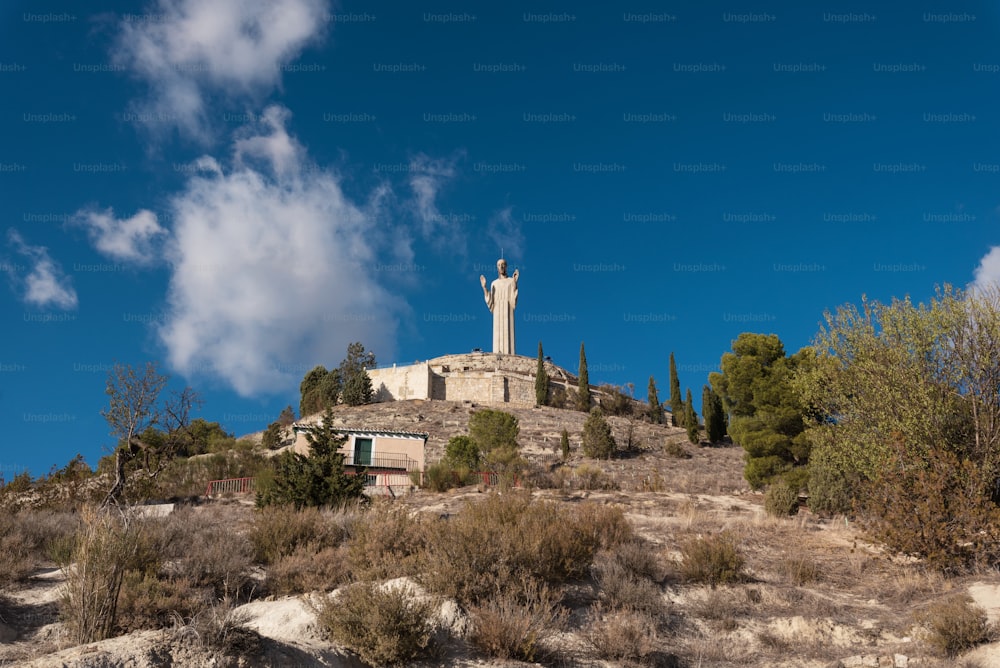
(818, 594)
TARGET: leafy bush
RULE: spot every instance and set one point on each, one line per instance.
(781, 499)
(444, 475)
(598, 443)
(957, 624)
(463, 451)
(494, 430)
(711, 560)
(761, 470)
(384, 625)
(936, 511)
(512, 626)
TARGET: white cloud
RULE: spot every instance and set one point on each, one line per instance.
(196, 48)
(988, 272)
(46, 284)
(506, 233)
(273, 267)
(428, 176)
(126, 239)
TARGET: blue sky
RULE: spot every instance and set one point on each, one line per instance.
(238, 189)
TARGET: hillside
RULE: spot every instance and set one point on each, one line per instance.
(814, 593)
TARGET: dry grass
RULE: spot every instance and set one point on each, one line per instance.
(516, 625)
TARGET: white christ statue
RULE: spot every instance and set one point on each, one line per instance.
(501, 298)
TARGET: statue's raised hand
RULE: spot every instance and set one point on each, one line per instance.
(516, 274)
(482, 281)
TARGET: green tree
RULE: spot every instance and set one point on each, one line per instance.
(676, 402)
(655, 407)
(358, 389)
(315, 390)
(463, 451)
(272, 437)
(494, 430)
(766, 412)
(564, 444)
(318, 479)
(690, 419)
(135, 407)
(904, 410)
(583, 386)
(598, 442)
(715, 417)
(541, 380)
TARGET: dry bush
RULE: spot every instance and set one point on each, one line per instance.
(622, 589)
(607, 522)
(590, 477)
(386, 542)
(278, 531)
(515, 625)
(308, 569)
(442, 476)
(639, 556)
(712, 560)
(722, 607)
(218, 628)
(384, 625)
(106, 546)
(148, 601)
(623, 635)
(800, 569)
(676, 450)
(781, 499)
(509, 538)
(31, 537)
(955, 625)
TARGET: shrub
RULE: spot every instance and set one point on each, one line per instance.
(622, 589)
(711, 560)
(676, 450)
(638, 556)
(781, 499)
(957, 624)
(591, 477)
(614, 401)
(384, 625)
(506, 542)
(462, 451)
(509, 626)
(442, 476)
(761, 470)
(624, 635)
(105, 548)
(598, 443)
(607, 523)
(308, 569)
(17, 550)
(936, 510)
(800, 569)
(278, 531)
(386, 542)
(493, 430)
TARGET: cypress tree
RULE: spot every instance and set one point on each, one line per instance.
(564, 444)
(541, 380)
(690, 419)
(655, 407)
(676, 403)
(583, 393)
(715, 418)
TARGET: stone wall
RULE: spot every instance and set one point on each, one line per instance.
(397, 383)
(484, 378)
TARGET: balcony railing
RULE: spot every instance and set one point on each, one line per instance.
(386, 460)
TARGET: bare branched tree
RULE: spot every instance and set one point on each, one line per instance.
(134, 407)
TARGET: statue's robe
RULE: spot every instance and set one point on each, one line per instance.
(502, 299)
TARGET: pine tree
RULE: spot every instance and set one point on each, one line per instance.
(541, 380)
(316, 480)
(583, 393)
(715, 417)
(690, 418)
(564, 444)
(655, 407)
(676, 403)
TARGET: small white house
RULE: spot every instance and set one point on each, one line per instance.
(387, 457)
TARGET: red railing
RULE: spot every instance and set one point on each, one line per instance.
(492, 479)
(230, 486)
